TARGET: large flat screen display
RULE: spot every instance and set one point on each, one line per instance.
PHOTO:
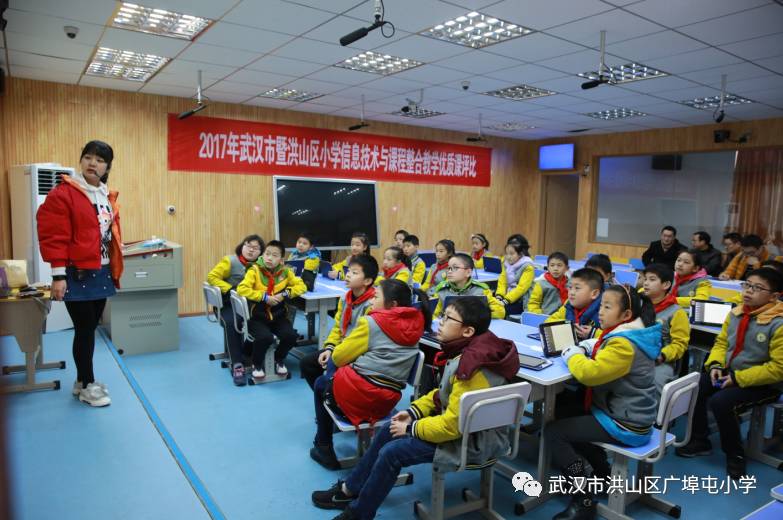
(556, 157)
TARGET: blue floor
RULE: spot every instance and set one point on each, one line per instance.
(248, 446)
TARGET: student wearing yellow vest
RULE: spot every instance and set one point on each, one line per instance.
(396, 266)
(550, 291)
(690, 278)
(360, 245)
(410, 246)
(480, 248)
(444, 250)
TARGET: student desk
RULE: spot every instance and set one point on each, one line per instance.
(770, 511)
(323, 299)
(480, 275)
(731, 285)
(546, 384)
(25, 319)
(777, 493)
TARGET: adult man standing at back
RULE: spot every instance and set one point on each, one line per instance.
(710, 256)
(665, 250)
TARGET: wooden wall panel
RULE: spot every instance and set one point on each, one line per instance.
(765, 132)
(45, 121)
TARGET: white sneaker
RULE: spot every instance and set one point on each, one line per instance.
(258, 373)
(280, 369)
(77, 387)
(94, 396)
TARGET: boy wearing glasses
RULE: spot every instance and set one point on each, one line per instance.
(742, 369)
(428, 431)
(459, 282)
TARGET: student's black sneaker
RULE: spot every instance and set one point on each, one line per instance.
(736, 467)
(332, 498)
(695, 448)
(324, 455)
(581, 508)
(347, 514)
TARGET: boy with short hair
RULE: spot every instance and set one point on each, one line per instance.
(410, 246)
(753, 254)
(743, 368)
(267, 286)
(306, 250)
(584, 300)
(459, 282)
(428, 430)
(550, 291)
(360, 277)
(675, 327)
(603, 264)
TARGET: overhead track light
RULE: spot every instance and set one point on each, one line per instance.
(602, 68)
(362, 123)
(477, 138)
(200, 104)
(358, 34)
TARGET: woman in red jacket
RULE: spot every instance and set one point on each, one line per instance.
(79, 235)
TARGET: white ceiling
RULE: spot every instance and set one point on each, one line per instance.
(256, 45)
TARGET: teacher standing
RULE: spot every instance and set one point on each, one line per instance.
(79, 235)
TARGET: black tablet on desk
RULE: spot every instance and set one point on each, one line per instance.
(710, 313)
(556, 336)
(533, 362)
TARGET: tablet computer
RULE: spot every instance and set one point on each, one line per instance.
(533, 362)
(710, 313)
(556, 336)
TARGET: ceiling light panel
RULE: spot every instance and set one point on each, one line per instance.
(159, 21)
(714, 101)
(615, 113)
(289, 94)
(418, 113)
(377, 63)
(129, 65)
(510, 127)
(520, 92)
(627, 73)
(476, 30)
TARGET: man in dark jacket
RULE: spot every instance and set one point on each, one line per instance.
(711, 257)
(665, 250)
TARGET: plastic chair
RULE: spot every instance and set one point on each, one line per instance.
(627, 277)
(365, 430)
(540, 259)
(532, 319)
(241, 310)
(427, 258)
(213, 300)
(538, 272)
(296, 265)
(324, 267)
(480, 410)
(492, 264)
(678, 398)
(636, 263)
(758, 444)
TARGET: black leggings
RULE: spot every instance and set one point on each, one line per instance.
(264, 333)
(310, 368)
(85, 316)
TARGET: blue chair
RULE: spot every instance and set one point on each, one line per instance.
(627, 277)
(323, 268)
(296, 265)
(540, 259)
(365, 430)
(588, 255)
(427, 258)
(678, 398)
(492, 265)
(538, 272)
(433, 303)
(532, 319)
(636, 263)
(759, 445)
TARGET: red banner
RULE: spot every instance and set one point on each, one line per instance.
(209, 144)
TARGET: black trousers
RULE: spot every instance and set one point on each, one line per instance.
(570, 436)
(726, 405)
(85, 316)
(234, 340)
(310, 368)
(264, 333)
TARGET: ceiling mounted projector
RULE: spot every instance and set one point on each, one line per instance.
(604, 73)
(361, 32)
(362, 123)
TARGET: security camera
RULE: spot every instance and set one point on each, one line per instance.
(170, 209)
(720, 136)
(71, 31)
(465, 85)
(718, 116)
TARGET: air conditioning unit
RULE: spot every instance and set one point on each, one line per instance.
(30, 183)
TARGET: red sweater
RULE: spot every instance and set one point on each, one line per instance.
(69, 233)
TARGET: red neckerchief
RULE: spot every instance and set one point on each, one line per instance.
(242, 260)
(589, 390)
(671, 299)
(478, 254)
(388, 273)
(741, 330)
(560, 285)
(438, 268)
(350, 303)
(270, 278)
(679, 280)
(578, 314)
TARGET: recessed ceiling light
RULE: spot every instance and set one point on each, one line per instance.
(520, 92)
(626, 73)
(133, 66)
(378, 63)
(418, 113)
(510, 127)
(615, 113)
(476, 30)
(714, 101)
(289, 94)
(159, 21)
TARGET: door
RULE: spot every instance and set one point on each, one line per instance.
(561, 197)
